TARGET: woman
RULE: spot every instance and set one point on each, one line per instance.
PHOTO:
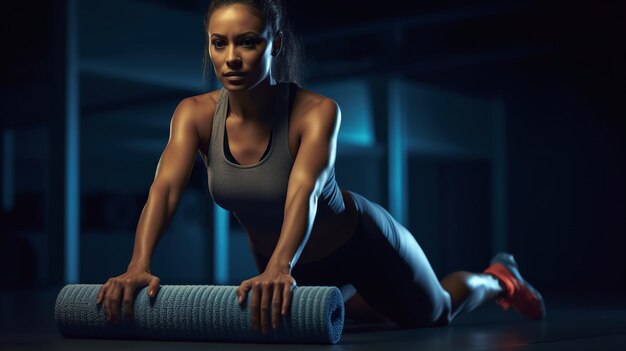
(269, 147)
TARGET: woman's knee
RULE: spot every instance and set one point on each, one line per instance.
(436, 313)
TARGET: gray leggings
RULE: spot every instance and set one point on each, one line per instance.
(387, 267)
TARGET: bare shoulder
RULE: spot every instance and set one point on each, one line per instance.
(202, 104)
(308, 99)
(311, 109)
(202, 108)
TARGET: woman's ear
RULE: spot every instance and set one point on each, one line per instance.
(278, 43)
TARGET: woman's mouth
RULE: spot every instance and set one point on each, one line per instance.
(235, 77)
(233, 73)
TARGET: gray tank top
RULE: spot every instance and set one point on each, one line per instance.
(256, 193)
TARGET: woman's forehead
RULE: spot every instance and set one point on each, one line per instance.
(234, 19)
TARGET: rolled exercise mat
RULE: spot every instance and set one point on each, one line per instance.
(201, 313)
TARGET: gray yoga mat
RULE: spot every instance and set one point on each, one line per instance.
(203, 313)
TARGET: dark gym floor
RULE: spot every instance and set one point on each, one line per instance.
(574, 322)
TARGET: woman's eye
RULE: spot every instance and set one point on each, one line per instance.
(219, 44)
(249, 42)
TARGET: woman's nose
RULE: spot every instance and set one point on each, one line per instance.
(233, 58)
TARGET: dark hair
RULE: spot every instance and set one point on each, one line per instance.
(287, 65)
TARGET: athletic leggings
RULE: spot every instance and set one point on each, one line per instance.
(386, 266)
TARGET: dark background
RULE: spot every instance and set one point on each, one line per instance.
(553, 72)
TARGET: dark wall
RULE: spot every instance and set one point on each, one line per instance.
(565, 125)
(566, 173)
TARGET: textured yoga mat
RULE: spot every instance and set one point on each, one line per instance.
(201, 312)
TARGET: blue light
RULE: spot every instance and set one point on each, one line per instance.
(221, 244)
(72, 185)
(397, 168)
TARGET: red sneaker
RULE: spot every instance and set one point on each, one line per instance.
(518, 293)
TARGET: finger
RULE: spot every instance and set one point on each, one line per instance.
(154, 286)
(287, 295)
(242, 291)
(255, 298)
(128, 301)
(276, 305)
(107, 301)
(265, 306)
(114, 306)
(101, 292)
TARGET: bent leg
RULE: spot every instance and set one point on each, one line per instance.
(391, 271)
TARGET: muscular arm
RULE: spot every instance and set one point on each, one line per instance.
(316, 156)
(172, 174)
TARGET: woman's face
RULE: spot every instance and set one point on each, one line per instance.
(239, 43)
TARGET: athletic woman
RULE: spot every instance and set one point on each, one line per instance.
(270, 147)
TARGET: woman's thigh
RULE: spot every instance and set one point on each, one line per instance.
(391, 272)
(386, 265)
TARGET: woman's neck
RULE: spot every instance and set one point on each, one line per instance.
(255, 105)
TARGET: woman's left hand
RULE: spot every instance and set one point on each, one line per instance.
(272, 285)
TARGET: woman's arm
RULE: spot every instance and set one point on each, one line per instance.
(316, 156)
(172, 174)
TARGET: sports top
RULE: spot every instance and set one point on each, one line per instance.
(256, 193)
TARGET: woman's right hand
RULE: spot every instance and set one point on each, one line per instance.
(121, 289)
